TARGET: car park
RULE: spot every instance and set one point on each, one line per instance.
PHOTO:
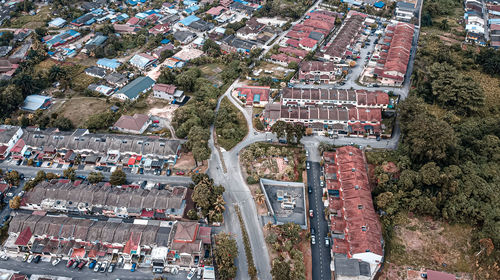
(56, 261)
(133, 267)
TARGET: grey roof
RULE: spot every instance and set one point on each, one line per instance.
(96, 71)
(7, 132)
(350, 267)
(133, 89)
(4, 50)
(316, 36)
(405, 6)
(115, 78)
(201, 25)
(239, 43)
(182, 35)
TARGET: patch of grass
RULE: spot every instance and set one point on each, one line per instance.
(378, 156)
(81, 81)
(79, 109)
(231, 126)
(27, 21)
(212, 72)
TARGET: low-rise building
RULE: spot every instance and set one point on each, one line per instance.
(142, 60)
(95, 71)
(57, 22)
(334, 97)
(110, 64)
(257, 96)
(136, 124)
(404, 11)
(35, 102)
(319, 72)
(9, 136)
(116, 79)
(168, 92)
(135, 88)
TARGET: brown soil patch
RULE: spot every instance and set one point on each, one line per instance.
(305, 248)
(390, 167)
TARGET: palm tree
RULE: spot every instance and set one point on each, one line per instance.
(219, 204)
(260, 198)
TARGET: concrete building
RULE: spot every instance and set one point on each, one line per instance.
(136, 124)
(9, 136)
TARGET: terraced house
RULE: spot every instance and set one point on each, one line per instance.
(105, 200)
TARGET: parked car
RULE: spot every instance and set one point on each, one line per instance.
(75, 264)
(311, 213)
(56, 261)
(104, 266)
(313, 239)
(179, 173)
(30, 259)
(307, 153)
(308, 166)
(133, 267)
(21, 194)
(156, 121)
(97, 267)
(81, 264)
(37, 259)
(321, 183)
(70, 263)
(26, 256)
(327, 241)
(111, 267)
(309, 189)
(4, 257)
(313, 231)
(92, 264)
(169, 172)
(191, 273)
(19, 162)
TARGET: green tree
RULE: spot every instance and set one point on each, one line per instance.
(15, 202)
(118, 177)
(225, 253)
(280, 269)
(62, 123)
(70, 173)
(95, 177)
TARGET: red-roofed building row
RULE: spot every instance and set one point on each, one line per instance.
(354, 225)
(257, 96)
(395, 63)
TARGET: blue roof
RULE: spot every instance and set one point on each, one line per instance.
(139, 61)
(97, 40)
(165, 41)
(57, 22)
(190, 19)
(352, 2)
(133, 89)
(34, 102)
(256, 98)
(189, 2)
(379, 4)
(192, 9)
(108, 63)
(242, 2)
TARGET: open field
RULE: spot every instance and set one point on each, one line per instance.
(212, 72)
(27, 21)
(79, 109)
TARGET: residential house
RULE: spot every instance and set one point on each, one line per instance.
(283, 59)
(232, 44)
(168, 92)
(142, 60)
(334, 97)
(404, 11)
(57, 23)
(251, 29)
(160, 29)
(345, 38)
(136, 124)
(257, 96)
(188, 54)
(9, 136)
(135, 88)
(116, 79)
(110, 64)
(319, 72)
(184, 37)
(102, 89)
(95, 71)
(125, 28)
(354, 225)
(161, 49)
(186, 243)
(216, 11)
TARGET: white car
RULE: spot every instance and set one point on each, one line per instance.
(313, 239)
(307, 166)
(307, 153)
(4, 257)
(321, 183)
(191, 273)
(55, 262)
(97, 266)
(30, 258)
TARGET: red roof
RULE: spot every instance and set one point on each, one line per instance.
(439, 275)
(292, 42)
(495, 27)
(18, 276)
(215, 11)
(131, 161)
(249, 92)
(320, 24)
(18, 147)
(78, 253)
(3, 187)
(3, 149)
(170, 89)
(133, 242)
(367, 115)
(24, 237)
(133, 21)
(308, 43)
(204, 234)
(147, 214)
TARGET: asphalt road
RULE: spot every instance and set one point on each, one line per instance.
(321, 257)
(84, 274)
(30, 171)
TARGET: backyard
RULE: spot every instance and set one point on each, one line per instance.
(79, 109)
